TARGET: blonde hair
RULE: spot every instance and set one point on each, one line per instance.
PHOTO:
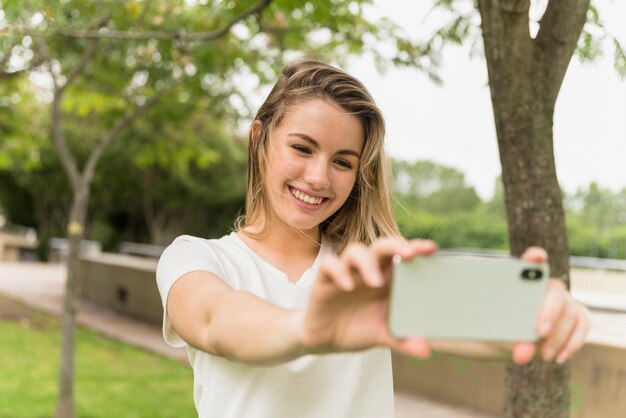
(368, 212)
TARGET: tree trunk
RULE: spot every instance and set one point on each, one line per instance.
(75, 232)
(525, 76)
(81, 183)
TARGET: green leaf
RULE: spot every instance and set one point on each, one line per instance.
(619, 59)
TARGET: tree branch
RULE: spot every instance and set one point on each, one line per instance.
(80, 67)
(560, 28)
(135, 35)
(506, 36)
(85, 57)
(58, 139)
(67, 161)
(6, 75)
(119, 127)
(34, 63)
(144, 12)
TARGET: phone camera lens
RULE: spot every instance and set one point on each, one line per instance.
(532, 274)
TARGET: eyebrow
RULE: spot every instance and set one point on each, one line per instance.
(317, 145)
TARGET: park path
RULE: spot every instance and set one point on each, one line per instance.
(41, 286)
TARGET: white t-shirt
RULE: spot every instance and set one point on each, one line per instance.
(331, 385)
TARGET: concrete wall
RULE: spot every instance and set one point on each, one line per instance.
(124, 283)
(598, 381)
(13, 245)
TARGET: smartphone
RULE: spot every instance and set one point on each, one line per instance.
(466, 297)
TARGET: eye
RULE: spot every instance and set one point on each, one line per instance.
(344, 164)
(301, 148)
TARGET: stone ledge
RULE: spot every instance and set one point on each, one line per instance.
(597, 381)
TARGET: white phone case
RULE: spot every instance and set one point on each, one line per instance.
(467, 297)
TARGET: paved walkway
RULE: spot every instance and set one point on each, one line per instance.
(41, 286)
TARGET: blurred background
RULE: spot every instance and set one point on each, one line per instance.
(179, 167)
(125, 123)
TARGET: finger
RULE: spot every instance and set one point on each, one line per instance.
(563, 328)
(552, 307)
(535, 255)
(413, 346)
(416, 347)
(577, 337)
(389, 247)
(338, 272)
(386, 248)
(423, 247)
(523, 352)
(362, 259)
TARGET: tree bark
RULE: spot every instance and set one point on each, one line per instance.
(525, 76)
(75, 233)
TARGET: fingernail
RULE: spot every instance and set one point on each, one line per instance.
(562, 358)
(348, 283)
(549, 354)
(544, 329)
(378, 280)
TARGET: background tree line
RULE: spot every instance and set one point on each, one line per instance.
(180, 172)
(434, 201)
(184, 172)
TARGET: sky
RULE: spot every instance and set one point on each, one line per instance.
(453, 124)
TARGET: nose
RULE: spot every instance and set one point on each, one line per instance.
(317, 173)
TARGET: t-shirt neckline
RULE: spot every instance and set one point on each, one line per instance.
(303, 279)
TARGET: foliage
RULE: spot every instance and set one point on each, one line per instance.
(472, 229)
(185, 155)
(187, 167)
(432, 187)
(180, 168)
(20, 117)
(597, 222)
(593, 39)
(113, 379)
(433, 201)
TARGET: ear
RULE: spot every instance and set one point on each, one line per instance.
(255, 133)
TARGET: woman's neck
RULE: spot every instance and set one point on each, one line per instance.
(289, 250)
(285, 240)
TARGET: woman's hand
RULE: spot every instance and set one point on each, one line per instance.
(347, 309)
(563, 322)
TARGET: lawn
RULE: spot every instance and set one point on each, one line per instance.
(112, 379)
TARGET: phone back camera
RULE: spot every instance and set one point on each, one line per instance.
(532, 274)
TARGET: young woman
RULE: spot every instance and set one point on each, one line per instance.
(286, 317)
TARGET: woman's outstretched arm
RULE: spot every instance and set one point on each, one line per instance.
(346, 312)
(211, 316)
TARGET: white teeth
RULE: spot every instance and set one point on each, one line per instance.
(306, 198)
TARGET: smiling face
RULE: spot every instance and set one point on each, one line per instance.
(313, 160)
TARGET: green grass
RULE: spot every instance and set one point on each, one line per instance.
(112, 379)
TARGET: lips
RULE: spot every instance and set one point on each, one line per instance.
(306, 198)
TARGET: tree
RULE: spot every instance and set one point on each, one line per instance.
(596, 221)
(525, 75)
(432, 201)
(433, 187)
